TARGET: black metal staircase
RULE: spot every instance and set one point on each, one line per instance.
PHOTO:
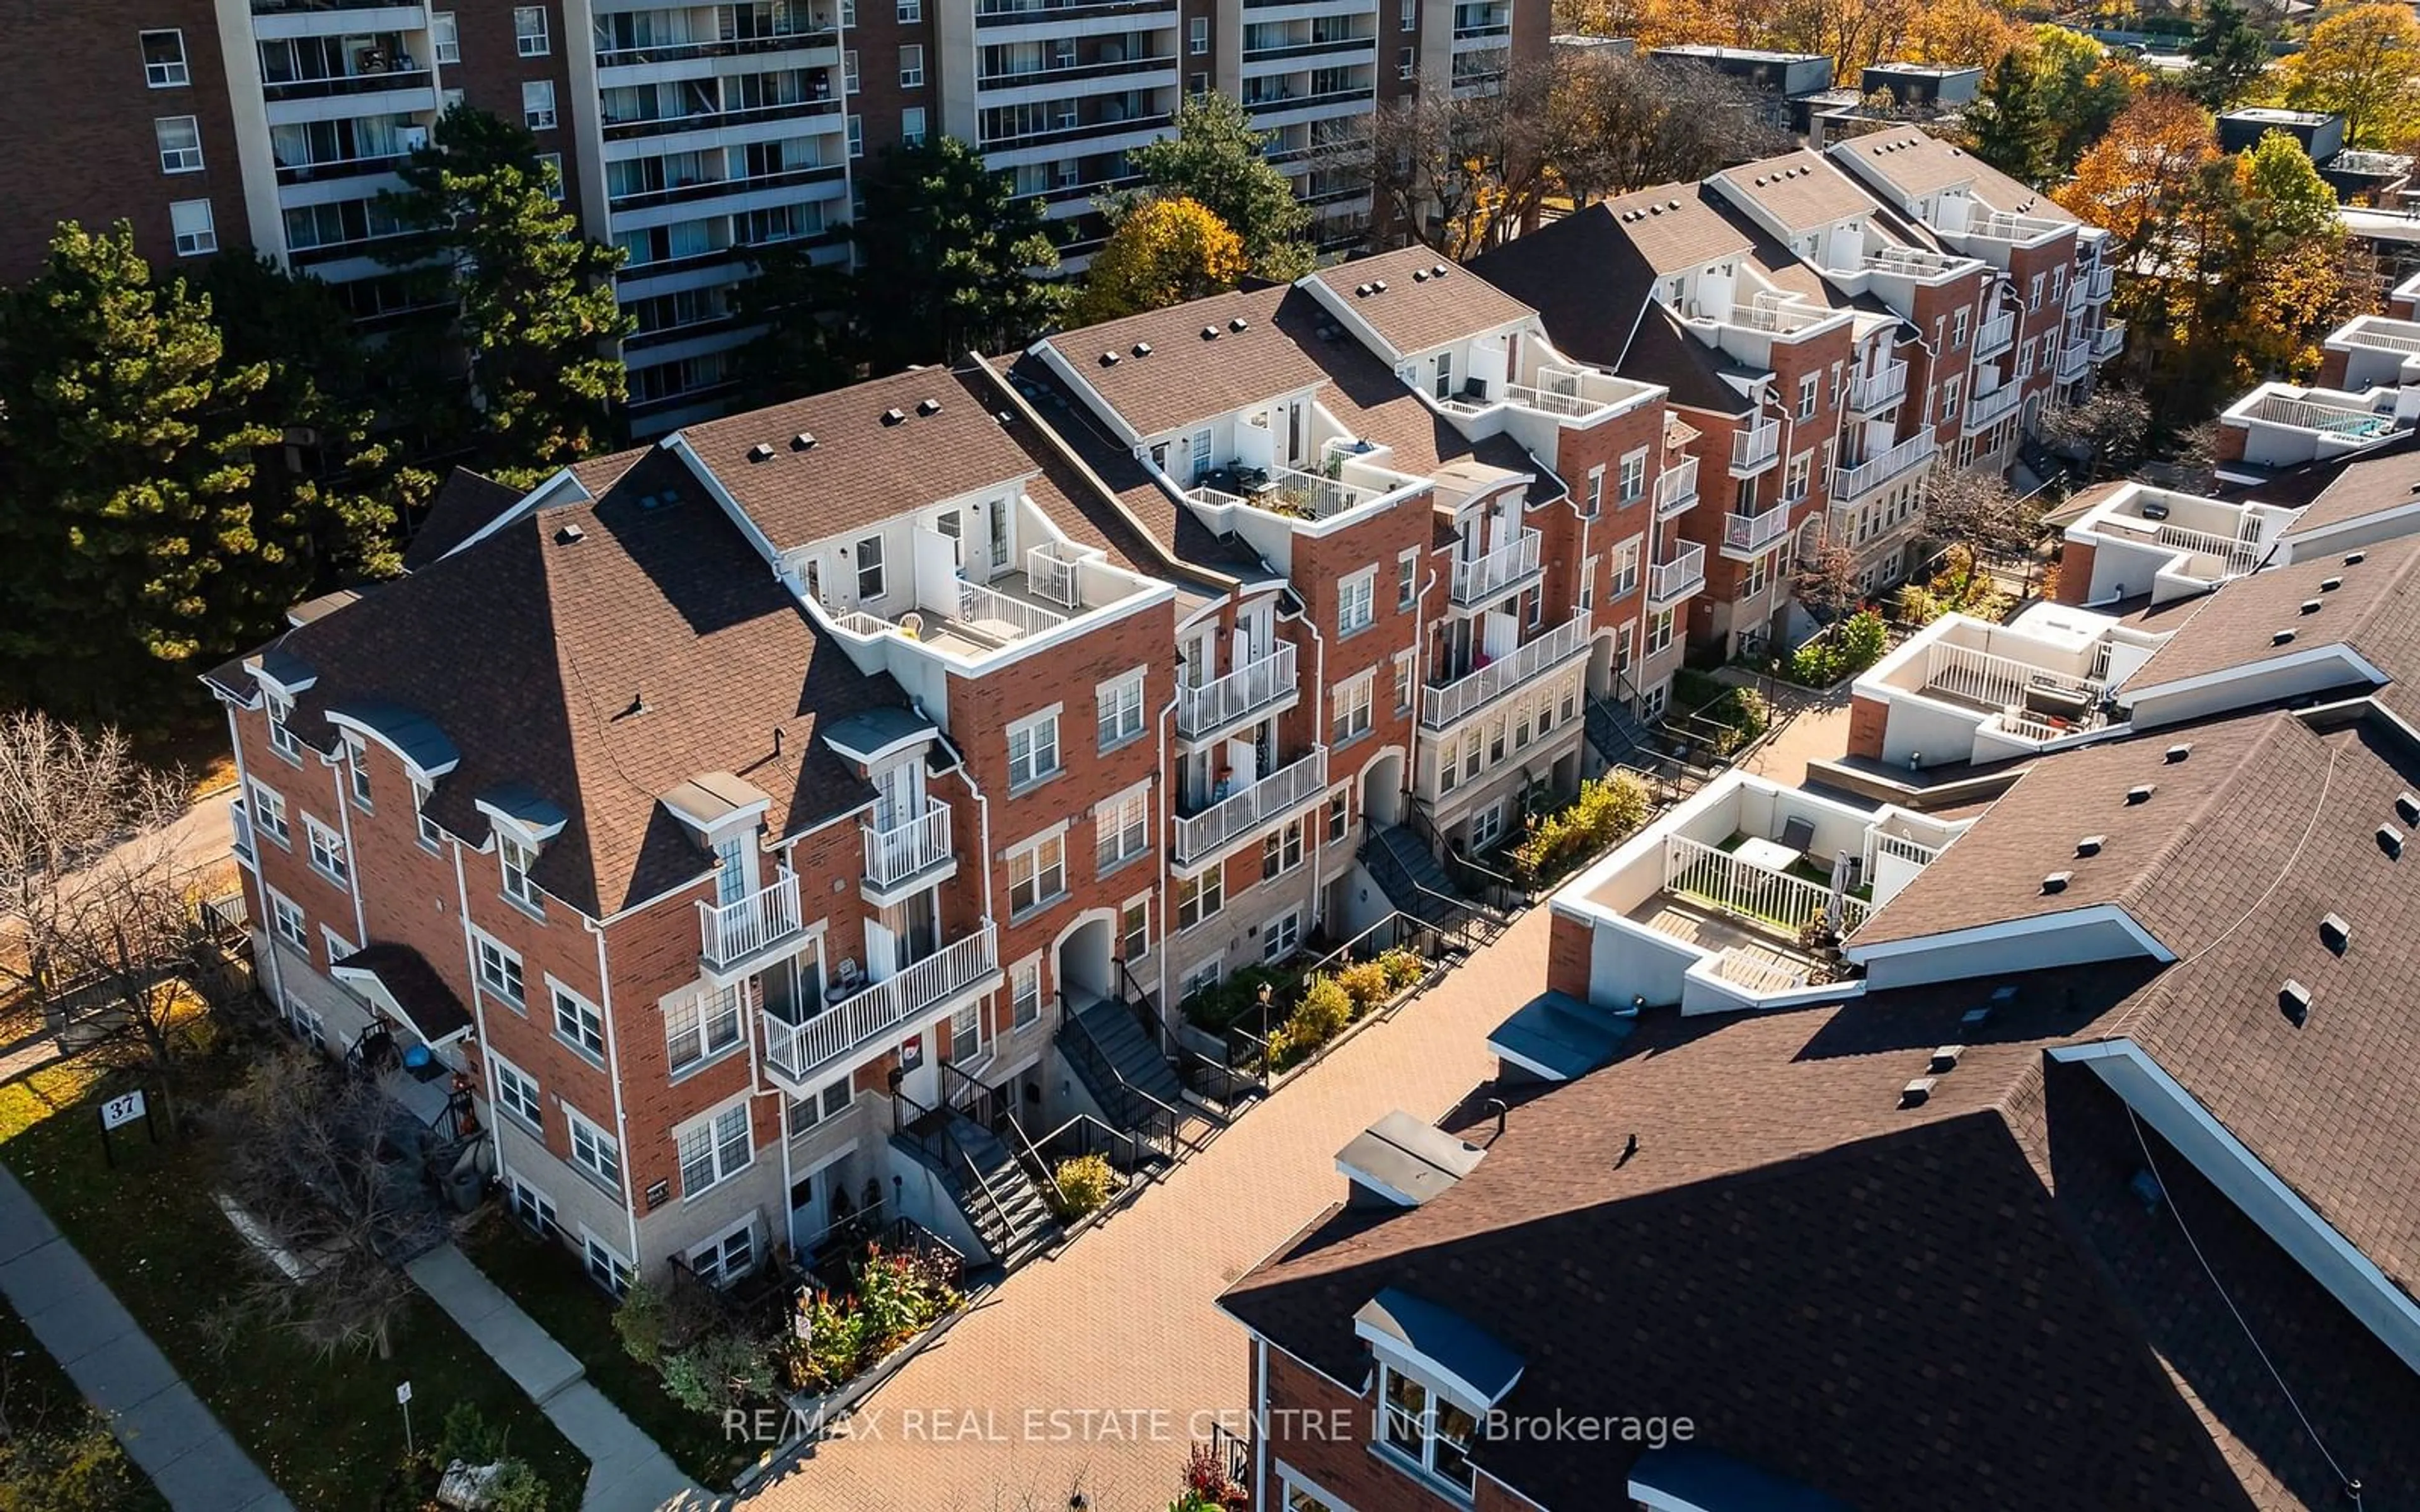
(1122, 1067)
(999, 1195)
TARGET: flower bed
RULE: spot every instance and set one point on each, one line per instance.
(1332, 1002)
(1845, 650)
(1608, 808)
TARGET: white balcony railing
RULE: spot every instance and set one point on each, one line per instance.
(1053, 571)
(1754, 533)
(2074, 358)
(1250, 688)
(1753, 449)
(894, 856)
(2342, 421)
(1554, 402)
(1442, 704)
(2003, 682)
(978, 604)
(871, 1015)
(2102, 284)
(1865, 477)
(735, 931)
(1667, 582)
(1995, 335)
(1280, 793)
(1984, 411)
(1478, 579)
(2235, 557)
(2109, 340)
(1695, 869)
(1870, 391)
(2000, 225)
(1677, 490)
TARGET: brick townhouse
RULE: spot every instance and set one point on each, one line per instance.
(721, 808)
(686, 134)
(1829, 336)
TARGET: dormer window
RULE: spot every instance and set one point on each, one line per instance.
(282, 739)
(518, 858)
(1419, 1427)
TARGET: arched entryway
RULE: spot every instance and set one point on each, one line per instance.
(1382, 789)
(1600, 666)
(1083, 962)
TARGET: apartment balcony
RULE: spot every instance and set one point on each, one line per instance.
(1995, 335)
(699, 190)
(1295, 494)
(1250, 693)
(2335, 422)
(1285, 106)
(2109, 340)
(1483, 579)
(1444, 705)
(909, 857)
(1916, 263)
(1577, 395)
(818, 37)
(2074, 359)
(2074, 298)
(1677, 488)
(2021, 230)
(1683, 573)
(805, 108)
(1852, 483)
(334, 169)
(1340, 49)
(1984, 411)
(1059, 12)
(965, 622)
(874, 1016)
(1482, 22)
(1873, 393)
(1073, 73)
(1748, 536)
(1232, 816)
(2101, 284)
(335, 18)
(752, 932)
(1990, 681)
(1756, 448)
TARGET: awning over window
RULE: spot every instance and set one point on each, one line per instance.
(395, 978)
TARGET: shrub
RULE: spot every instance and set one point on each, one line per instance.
(1607, 809)
(1322, 1014)
(1403, 966)
(1855, 644)
(899, 1294)
(1084, 1182)
(1366, 984)
(1209, 1488)
(722, 1371)
(834, 1345)
(640, 1322)
(516, 1488)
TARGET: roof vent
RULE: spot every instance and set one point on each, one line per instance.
(933, 406)
(568, 534)
(1760, 181)
(803, 441)
(2352, 558)
(1239, 322)
(1655, 210)
(2279, 637)
(1671, 204)
(2329, 585)
(2335, 932)
(1945, 1059)
(2057, 882)
(1438, 270)
(1419, 275)
(1379, 285)
(761, 452)
(2311, 606)
(2294, 1001)
(2390, 840)
(1917, 1093)
(2408, 805)
(2179, 751)
(1209, 332)
(1108, 359)
(2140, 793)
(1361, 291)
(2090, 844)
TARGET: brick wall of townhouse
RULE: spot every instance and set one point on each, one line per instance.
(1329, 660)
(79, 114)
(2046, 323)
(880, 38)
(493, 70)
(1324, 1433)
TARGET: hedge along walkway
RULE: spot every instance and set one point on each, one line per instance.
(195, 1463)
(626, 1471)
(1094, 1369)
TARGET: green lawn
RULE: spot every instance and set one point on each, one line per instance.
(327, 1432)
(548, 1284)
(41, 1398)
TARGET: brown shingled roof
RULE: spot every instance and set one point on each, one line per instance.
(865, 467)
(1187, 376)
(1918, 164)
(2375, 610)
(1799, 189)
(1427, 303)
(468, 503)
(2388, 479)
(601, 670)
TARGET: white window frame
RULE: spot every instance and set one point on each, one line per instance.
(817, 1108)
(912, 66)
(912, 130)
(911, 12)
(534, 1207)
(856, 127)
(196, 230)
(849, 74)
(1121, 829)
(1595, 490)
(1810, 389)
(595, 1254)
(499, 971)
(716, 1268)
(529, 42)
(1039, 733)
(1025, 992)
(712, 1019)
(268, 815)
(1197, 37)
(1118, 705)
(431, 837)
(165, 74)
(1408, 579)
(334, 945)
(357, 773)
(1632, 486)
(1351, 708)
(1356, 602)
(1043, 858)
(1282, 937)
(287, 921)
(328, 857)
(1284, 848)
(184, 157)
(1403, 680)
(594, 1153)
(518, 1093)
(1337, 818)
(1134, 940)
(445, 36)
(514, 859)
(1203, 897)
(1659, 632)
(1423, 1428)
(537, 104)
(714, 1157)
(584, 1018)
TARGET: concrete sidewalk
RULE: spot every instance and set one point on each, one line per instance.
(626, 1471)
(164, 1426)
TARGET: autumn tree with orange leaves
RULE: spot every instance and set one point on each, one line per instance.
(1163, 252)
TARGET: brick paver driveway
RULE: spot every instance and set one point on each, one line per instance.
(1095, 1370)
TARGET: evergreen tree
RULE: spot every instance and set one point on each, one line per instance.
(2008, 126)
(536, 318)
(1216, 158)
(811, 338)
(128, 547)
(957, 263)
(2230, 55)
